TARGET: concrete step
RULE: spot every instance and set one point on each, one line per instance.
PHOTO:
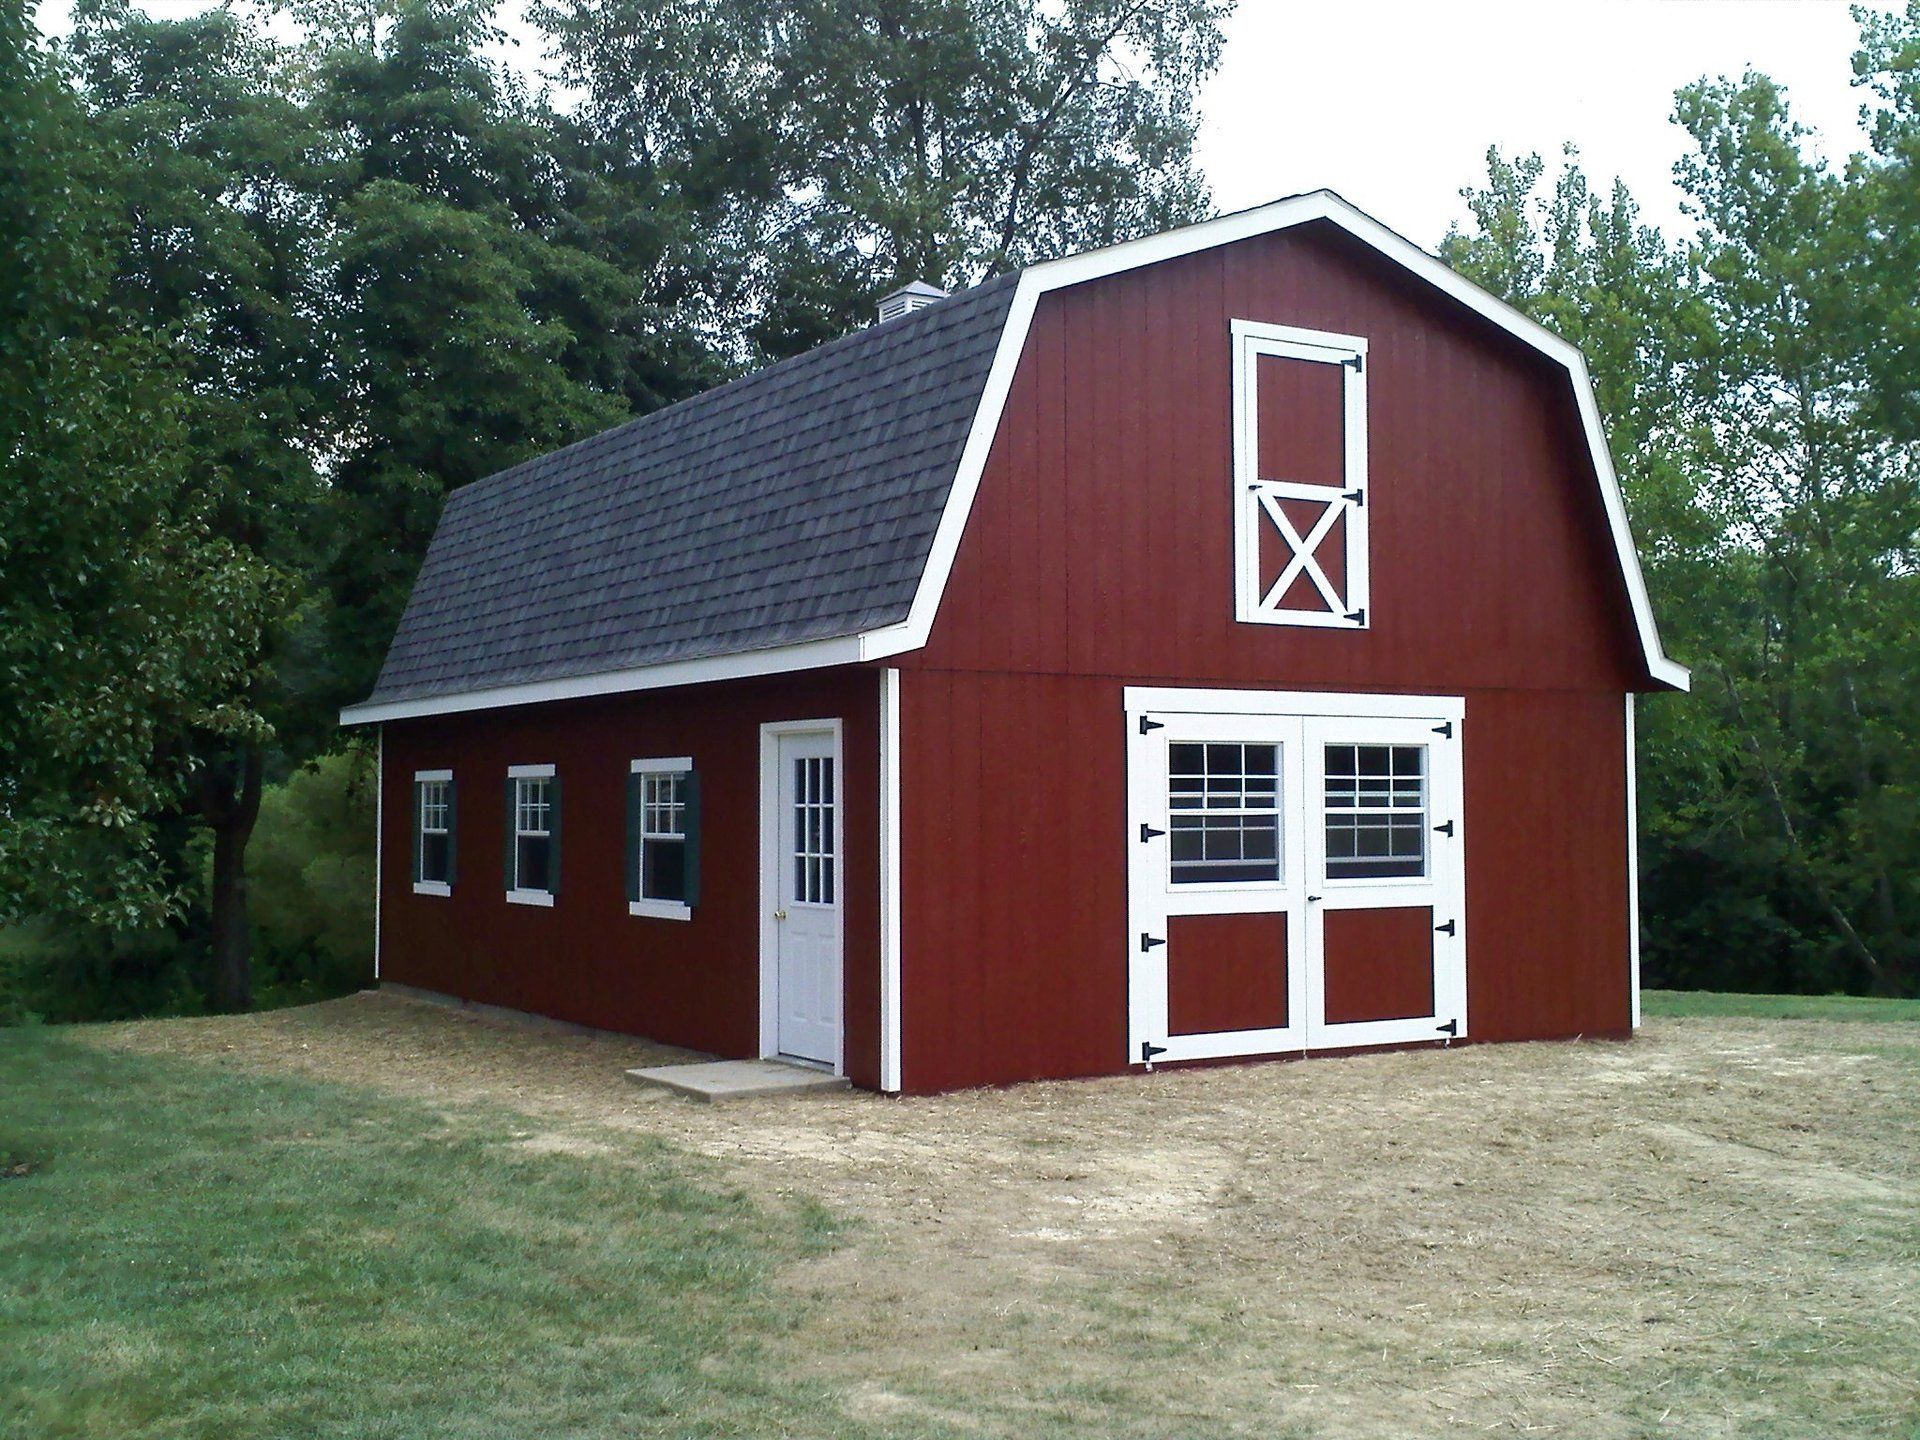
(716, 1080)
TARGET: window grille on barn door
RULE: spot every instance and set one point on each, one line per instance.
(1300, 477)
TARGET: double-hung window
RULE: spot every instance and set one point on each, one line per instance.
(433, 832)
(663, 838)
(533, 834)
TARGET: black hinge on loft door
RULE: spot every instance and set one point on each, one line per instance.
(1357, 362)
(1147, 832)
(1445, 730)
(1148, 942)
(1446, 829)
(1446, 929)
(1146, 725)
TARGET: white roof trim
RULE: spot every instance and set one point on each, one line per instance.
(1038, 280)
(1264, 220)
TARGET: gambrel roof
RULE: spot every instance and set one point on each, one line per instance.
(806, 515)
(796, 504)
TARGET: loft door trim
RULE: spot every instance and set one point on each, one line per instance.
(1260, 500)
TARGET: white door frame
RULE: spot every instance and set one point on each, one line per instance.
(1149, 892)
(772, 864)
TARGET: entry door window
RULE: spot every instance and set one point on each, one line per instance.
(1376, 811)
(1223, 804)
(813, 857)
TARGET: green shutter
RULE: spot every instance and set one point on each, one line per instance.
(633, 837)
(413, 825)
(453, 834)
(553, 845)
(509, 828)
(690, 793)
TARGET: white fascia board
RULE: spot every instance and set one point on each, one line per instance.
(1035, 281)
(811, 655)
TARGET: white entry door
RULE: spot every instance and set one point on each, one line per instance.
(1296, 874)
(804, 886)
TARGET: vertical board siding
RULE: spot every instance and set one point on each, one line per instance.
(695, 982)
(1100, 554)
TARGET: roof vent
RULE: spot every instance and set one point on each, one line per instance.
(917, 295)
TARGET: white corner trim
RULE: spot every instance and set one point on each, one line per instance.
(428, 776)
(661, 909)
(530, 772)
(530, 897)
(890, 992)
(1038, 280)
(432, 887)
(662, 765)
(1633, 864)
(379, 839)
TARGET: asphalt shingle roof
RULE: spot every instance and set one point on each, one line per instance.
(798, 503)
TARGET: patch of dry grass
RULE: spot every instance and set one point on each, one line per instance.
(1713, 1230)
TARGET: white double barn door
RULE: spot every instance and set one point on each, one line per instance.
(1296, 876)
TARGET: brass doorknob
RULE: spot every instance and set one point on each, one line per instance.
(779, 914)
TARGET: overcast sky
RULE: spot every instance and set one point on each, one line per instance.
(1394, 102)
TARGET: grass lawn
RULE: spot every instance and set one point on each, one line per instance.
(195, 1252)
(1716, 1004)
(374, 1219)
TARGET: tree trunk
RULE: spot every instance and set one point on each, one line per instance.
(231, 803)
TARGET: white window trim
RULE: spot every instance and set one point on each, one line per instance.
(516, 895)
(659, 909)
(429, 777)
(1255, 497)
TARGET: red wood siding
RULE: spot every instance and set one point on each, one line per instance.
(1101, 541)
(1099, 554)
(1226, 972)
(1379, 964)
(693, 982)
(1015, 961)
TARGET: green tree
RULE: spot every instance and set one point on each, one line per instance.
(127, 620)
(1753, 414)
(469, 330)
(220, 255)
(873, 142)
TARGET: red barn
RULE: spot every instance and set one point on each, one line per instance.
(1221, 644)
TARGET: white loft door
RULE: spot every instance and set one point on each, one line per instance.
(808, 884)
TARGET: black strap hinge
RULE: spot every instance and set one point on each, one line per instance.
(1147, 942)
(1358, 617)
(1452, 1027)
(1446, 929)
(1445, 729)
(1358, 362)
(1147, 832)
(1148, 1050)
(1445, 829)
(1358, 497)
(1147, 725)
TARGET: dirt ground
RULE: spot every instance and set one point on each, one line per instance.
(1713, 1230)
